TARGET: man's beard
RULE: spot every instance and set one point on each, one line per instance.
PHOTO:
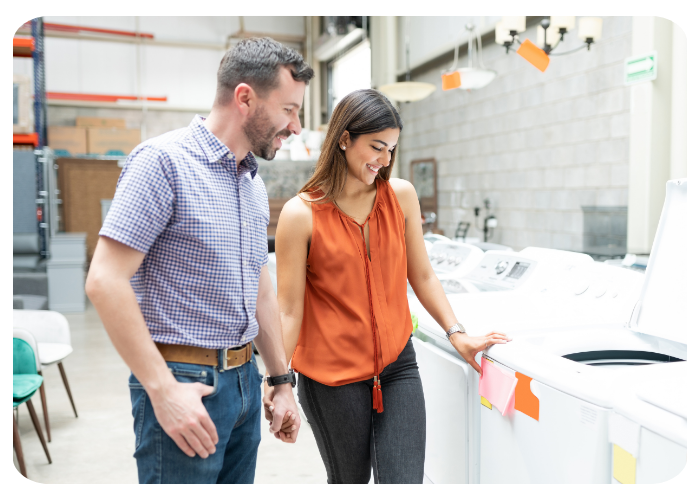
(261, 134)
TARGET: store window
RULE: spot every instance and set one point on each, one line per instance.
(351, 71)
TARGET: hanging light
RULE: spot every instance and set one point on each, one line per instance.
(407, 91)
(590, 29)
(550, 33)
(514, 23)
(470, 77)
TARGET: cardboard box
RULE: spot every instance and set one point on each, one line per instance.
(71, 140)
(22, 112)
(93, 121)
(104, 141)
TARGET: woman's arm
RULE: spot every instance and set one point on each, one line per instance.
(291, 246)
(291, 243)
(426, 285)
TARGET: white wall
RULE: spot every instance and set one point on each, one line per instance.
(181, 65)
(185, 75)
(538, 145)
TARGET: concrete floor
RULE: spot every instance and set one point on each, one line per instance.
(98, 446)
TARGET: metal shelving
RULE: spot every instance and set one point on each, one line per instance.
(46, 196)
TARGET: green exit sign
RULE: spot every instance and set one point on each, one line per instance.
(641, 68)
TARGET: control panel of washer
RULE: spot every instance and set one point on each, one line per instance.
(453, 257)
(504, 270)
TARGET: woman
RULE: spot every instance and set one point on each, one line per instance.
(345, 247)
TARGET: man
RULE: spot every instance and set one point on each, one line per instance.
(187, 229)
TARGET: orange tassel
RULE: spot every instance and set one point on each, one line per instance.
(374, 396)
(380, 402)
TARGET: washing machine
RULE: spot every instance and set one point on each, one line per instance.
(504, 283)
(565, 294)
(548, 395)
(453, 258)
(649, 425)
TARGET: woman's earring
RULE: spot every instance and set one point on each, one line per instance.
(343, 148)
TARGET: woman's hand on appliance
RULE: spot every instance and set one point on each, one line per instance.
(468, 347)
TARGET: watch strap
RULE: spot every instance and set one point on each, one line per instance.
(458, 327)
(287, 378)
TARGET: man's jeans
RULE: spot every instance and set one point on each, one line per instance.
(234, 407)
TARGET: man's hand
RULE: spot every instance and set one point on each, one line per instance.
(181, 413)
(468, 347)
(281, 411)
(289, 424)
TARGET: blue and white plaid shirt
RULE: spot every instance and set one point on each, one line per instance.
(201, 219)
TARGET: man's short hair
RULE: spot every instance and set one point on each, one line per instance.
(256, 62)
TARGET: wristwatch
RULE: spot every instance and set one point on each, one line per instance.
(287, 378)
(455, 328)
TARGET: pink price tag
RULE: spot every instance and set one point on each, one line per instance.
(497, 387)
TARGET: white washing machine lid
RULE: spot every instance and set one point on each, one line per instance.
(661, 309)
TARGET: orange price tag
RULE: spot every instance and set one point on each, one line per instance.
(534, 55)
(451, 80)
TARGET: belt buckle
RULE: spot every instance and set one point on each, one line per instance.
(225, 361)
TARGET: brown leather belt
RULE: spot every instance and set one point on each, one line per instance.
(202, 356)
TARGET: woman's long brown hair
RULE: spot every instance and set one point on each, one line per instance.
(360, 112)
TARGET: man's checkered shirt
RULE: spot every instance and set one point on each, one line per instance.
(201, 219)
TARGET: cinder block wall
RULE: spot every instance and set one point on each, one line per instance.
(538, 145)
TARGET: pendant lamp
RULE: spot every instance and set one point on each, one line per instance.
(407, 91)
(470, 77)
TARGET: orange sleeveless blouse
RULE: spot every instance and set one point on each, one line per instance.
(356, 318)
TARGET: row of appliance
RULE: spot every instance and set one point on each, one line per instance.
(591, 389)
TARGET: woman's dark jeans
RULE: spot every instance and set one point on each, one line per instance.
(352, 437)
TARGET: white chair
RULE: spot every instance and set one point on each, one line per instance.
(23, 334)
(52, 334)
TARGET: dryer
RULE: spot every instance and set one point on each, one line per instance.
(567, 381)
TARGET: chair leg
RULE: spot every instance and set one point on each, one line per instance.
(17, 444)
(37, 426)
(45, 409)
(65, 382)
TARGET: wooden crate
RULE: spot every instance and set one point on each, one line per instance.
(83, 183)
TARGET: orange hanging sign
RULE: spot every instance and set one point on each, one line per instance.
(525, 401)
(451, 80)
(534, 55)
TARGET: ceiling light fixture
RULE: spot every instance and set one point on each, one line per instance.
(550, 32)
(470, 77)
(407, 91)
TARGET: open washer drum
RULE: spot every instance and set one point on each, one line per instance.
(569, 380)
